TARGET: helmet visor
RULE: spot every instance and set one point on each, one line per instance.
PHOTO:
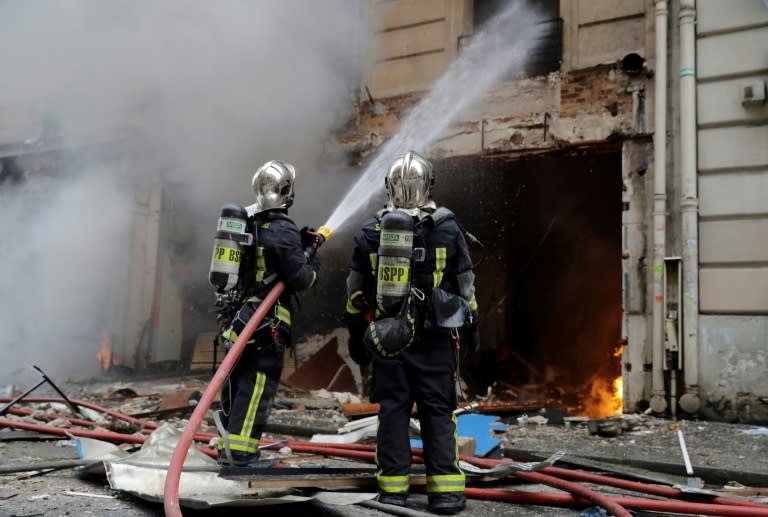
(409, 181)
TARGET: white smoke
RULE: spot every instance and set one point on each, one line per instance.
(201, 92)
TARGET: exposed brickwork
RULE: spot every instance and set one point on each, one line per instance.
(595, 90)
(593, 104)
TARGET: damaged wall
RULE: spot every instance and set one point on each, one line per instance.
(604, 92)
(583, 111)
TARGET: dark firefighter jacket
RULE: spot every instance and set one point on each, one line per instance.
(444, 262)
(276, 255)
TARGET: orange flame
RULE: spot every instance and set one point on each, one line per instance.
(617, 399)
(104, 355)
(618, 385)
(606, 396)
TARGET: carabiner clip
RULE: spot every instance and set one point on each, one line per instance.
(418, 294)
(456, 339)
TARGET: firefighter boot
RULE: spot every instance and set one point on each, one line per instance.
(397, 499)
(447, 504)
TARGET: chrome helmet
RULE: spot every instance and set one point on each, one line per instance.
(409, 181)
(273, 185)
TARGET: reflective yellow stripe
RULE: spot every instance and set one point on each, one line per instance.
(449, 482)
(440, 260)
(473, 304)
(261, 265)
(253, 405)
(456, 442)
(224, 254)
(314, 278)
(372, 257)
(446, 483)
(393, 484)
(351, 309)
(243, 443)
(283, 314)
(230, 335)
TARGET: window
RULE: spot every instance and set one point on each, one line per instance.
(549, 52)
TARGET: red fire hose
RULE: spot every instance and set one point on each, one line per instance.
(172, 478)
(578, 491)
(357, 451)
(653, 505)
(107, 436)
(600, 479)
(146, 425)
(713, 506)
(90, 405)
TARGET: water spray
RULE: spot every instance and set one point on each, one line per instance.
(504, 43)
(500, 48)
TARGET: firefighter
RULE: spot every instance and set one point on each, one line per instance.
(414, 357)
(278, 252)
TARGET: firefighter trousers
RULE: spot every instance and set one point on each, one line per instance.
(424, 373)
(247, 395)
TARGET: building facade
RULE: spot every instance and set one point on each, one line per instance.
(617, 178)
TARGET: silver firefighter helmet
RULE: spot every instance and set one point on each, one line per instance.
(409, 181)
(273, 186)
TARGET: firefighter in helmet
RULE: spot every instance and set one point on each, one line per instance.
(278, 252)
(410, 305)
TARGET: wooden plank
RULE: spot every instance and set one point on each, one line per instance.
(360, 409)
(302, 477)
(310, 483)
(202, 357)
(10, 436)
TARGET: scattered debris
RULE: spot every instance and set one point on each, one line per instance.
(340, 424)
(45, 379)
(758, 431)
(479, 427)
(86, 494)
(7, 493)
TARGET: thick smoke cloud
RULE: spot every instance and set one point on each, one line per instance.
(206, 91)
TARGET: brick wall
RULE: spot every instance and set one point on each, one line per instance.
(595, 90)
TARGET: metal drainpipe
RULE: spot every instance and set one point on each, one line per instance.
(658, 400)
(689, 206)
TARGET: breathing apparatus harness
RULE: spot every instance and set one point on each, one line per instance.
(237, 296)
(394, 329)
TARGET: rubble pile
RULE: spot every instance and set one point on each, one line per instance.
(506, 445)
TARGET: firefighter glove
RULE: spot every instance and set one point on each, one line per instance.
(309, 238)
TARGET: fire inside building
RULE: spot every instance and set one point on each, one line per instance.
(607, 165)
(618, 265)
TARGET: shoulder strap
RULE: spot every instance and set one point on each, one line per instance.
(441, 214)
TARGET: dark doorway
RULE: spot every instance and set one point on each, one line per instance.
(549, 278)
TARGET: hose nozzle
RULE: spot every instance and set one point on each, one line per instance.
(325, 232)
